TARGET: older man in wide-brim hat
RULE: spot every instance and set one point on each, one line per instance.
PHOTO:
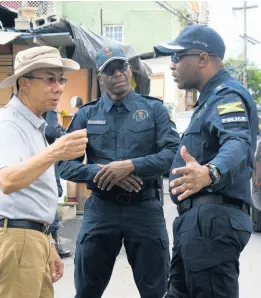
(29, 262)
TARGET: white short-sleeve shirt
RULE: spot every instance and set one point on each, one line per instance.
(22, 136)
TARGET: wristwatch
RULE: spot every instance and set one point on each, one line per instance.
(214, 174)
(52, 242)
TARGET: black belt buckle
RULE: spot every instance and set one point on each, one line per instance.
(123, 198)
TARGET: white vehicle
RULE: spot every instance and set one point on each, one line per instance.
(256, 188)
(182, 120)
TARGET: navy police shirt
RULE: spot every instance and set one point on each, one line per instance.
(223, 132)
(52, 132)
(138, 128)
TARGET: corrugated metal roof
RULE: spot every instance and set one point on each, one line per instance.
(6, 37)
(50, 39)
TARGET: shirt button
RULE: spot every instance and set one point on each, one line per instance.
(119, 145)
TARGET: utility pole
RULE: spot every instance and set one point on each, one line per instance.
(203, 17)
(101, 21)
(246, 38)
(245, 83)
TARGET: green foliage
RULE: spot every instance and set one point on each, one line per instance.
(235, 67)
(254, 83)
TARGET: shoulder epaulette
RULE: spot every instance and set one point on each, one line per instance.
(150, 97)
(220, 88)
(93, 102)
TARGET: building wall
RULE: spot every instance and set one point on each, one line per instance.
(77, 85)
(145, 22)
(6, 69)
(167, 89)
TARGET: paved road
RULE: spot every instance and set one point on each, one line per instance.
(122, 283)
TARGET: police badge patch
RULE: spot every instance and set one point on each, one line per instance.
(140, 115)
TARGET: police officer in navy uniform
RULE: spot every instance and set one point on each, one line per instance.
(131, 143)
(210, 177)
(54, 131)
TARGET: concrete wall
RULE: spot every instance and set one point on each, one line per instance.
(145, 22)
(171, 94)
(77, 85)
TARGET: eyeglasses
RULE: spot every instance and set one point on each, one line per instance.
(110, 69)
(175, 58)
(49, 81)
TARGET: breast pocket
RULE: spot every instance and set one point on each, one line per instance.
(98, 137)
(140, 138)
(193, 140)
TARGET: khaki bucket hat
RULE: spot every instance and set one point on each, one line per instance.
(36, 58)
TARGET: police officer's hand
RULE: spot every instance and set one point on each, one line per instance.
(130, 183)
(195, 177)
(112, 173)
(56, 265)
(70, 146)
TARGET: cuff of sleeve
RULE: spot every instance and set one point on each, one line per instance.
(138, 165)
(87, 173)
(93, 170)
(221, 166)
(224, 180)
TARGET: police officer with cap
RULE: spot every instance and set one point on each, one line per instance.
(210, 176)
(131, 143)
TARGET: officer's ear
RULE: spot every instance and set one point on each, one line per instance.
(130, 69)
(99, 78)
(203, 59)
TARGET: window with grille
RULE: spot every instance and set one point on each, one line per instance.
(113, 32)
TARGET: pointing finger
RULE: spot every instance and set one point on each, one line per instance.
(185, 155)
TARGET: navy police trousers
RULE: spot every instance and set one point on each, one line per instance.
(208, 241)
(106, 225)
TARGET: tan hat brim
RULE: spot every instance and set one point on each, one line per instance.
(67, 65)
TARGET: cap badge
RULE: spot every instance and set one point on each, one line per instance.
(107, 51)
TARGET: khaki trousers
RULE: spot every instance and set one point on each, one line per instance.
(24, 264)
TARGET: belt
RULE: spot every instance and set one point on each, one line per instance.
(25, 224)
(189, 203)
(127, 198)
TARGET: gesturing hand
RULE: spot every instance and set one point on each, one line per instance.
(70, 146)
(194, 178)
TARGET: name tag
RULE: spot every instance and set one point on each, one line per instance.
(96, 122)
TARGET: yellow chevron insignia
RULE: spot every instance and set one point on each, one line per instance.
(232, 107)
